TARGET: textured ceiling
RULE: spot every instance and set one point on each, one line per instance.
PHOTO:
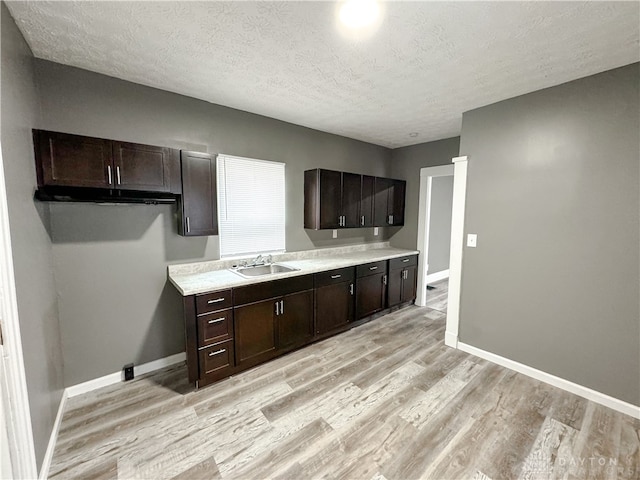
(427, 63)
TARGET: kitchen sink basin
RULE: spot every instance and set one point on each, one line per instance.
(260, 270)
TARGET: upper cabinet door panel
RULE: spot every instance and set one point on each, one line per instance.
(330, 198)
(395, 209)
(142, 167)
(199, 197)
(351, 193)
(366, 202)
(381, 201)
(73, 160)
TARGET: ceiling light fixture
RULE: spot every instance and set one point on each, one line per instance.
(358, 14)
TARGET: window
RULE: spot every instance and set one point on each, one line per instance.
(251, 217)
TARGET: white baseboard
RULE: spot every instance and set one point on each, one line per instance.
(434, 277)
(48, 455)
(451, 340)
(113, 378)
(582, 391)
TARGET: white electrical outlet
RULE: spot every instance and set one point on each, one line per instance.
(375, 230)
(335, 234)
(472, 240)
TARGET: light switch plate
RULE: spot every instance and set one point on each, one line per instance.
(375, 230)
(335, 234)
(472, 240)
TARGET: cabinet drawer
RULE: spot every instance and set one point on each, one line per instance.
(334, 276)
(371, 268)
(215, 326)
(408, 261)
(216, 357)
(211, 302)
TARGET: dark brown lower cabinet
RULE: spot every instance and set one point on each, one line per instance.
(402, 280)
(371, 288)
(264, 329)
(255, 332)
(294, 320)
(334, 300)
(228, 331)
(272, 317)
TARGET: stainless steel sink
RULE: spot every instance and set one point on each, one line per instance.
(260, 270)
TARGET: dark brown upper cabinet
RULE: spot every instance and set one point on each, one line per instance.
(331, 199)
(66, 160)
(389, 202)
(335, 200)
(366, 201)
(197, 210)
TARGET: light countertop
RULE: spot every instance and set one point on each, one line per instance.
(205, 277)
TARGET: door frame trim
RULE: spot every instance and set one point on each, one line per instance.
(424, 220)
(457, 244)
(19, 428)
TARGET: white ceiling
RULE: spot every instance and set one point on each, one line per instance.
(427, 63)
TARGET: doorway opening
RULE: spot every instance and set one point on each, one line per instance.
(434, 228)
(456, 246)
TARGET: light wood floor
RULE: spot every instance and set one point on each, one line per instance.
(384, 400)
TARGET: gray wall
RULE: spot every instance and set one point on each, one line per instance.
(406, 163)
(110, 261)
(552, 193)
(30, 242)
(440, 223)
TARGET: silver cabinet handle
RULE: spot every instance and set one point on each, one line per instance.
(390, 220)
(335, 276)
(373, 268)
(118, 174)
(222, 350)
(217, 320)
(362, 220)
(109, 174)
(405, 260)
(281, 307)
(277, 308)
(384, 280)
(217, 300)
(188, 225)
(351, 289)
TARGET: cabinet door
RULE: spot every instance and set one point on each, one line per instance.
(366, 201)
(199, 215)
(334, 307)
(370, 294)
(73, 160)
(330, 198)
(295, 319)
(255, 333)
(409, 284)
(142, 167)
(351, 192)
(381, 202)
(395, 205)
(395, 287)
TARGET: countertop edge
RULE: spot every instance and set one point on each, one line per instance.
(348, 261)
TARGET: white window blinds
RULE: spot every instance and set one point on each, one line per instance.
(251, 217)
